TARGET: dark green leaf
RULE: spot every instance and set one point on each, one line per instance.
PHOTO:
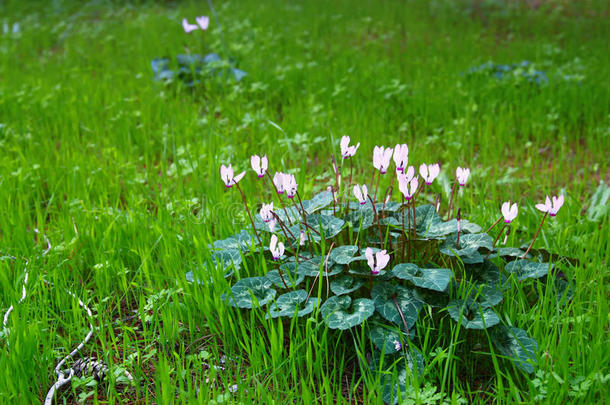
(361, 218)
(319, 201)
(386, 296)
(288, 304)
(292, 278)
(250, 292)
(311, 268)
(240, 241)
(345, 285)
(387, 340)
(433, 279)
(517, 345)
(343, 254)
(468, 250)
(397, 371)
(472, 315)
(336, 311)
(523, 269)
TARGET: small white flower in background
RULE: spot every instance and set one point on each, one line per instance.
(551, 207)
(226, 174)
(278, 180)
(203, 21)
(462, 175)
(266, 213)
(290, 185)
(377, 262)
(346, 149)
(407, 187)
(509, 212)
(397, 345)
(277, 249)
(302, 238)
(259, 165)
(361, 193)
(189, 27)
(429, 172)
(401, 156)
(381, 158)
(271, 225)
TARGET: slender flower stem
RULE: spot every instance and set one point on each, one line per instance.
(507, 226)
(332, 190)
(459, 219)
(312, 228)
(283, 226)
(243, 198)
(351, 169)
(494, 224)
(451, 200)
(373, 177)
(404, 321)
(377, 218)
(279, 196)
(377, 186)
(282, 276)
(301, 203)
(535, 236)
(337, 176)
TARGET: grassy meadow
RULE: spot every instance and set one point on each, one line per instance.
(121, 173)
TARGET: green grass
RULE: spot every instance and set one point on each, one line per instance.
(121, 174)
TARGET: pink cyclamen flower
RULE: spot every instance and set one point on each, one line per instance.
(203, 21)
(462, 175)
(551, 207)
(189, 27)
(278, 180)
(346, 149)
(409, 173)
(361, 193)
(429, 172)
(382, 258)
(401, 156)
(302, 238)
(277, 249)
(290, 185)
(226, 174)
(266, 212)
(509, 212)
(259, 165)
(381, 158)
(407, 187)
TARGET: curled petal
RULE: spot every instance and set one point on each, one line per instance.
(370, 260)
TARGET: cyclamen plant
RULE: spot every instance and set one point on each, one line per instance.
(375, 264)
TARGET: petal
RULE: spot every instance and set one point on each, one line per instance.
(237, 178)
(423, 171)
(255, 162)
(369, 258)
(357, 193)
(280, 249)
(542, 207)
(514, 210)
(365, 192)
(410, 173)
(382, 260)
(264, 163)
(273, 243)
(506, 210)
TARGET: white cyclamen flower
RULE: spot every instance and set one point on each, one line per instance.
(429, 172)
(346, 149)
(259, 165)
(277, 249)
(226, 174)
(361, 193)
(509, 212)
(377, 262)
(462, 175)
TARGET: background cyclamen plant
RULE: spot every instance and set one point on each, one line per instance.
(421, 265)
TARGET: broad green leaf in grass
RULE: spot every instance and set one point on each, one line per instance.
(397, 370)
(468, 250)
(339, 314)
(472, 315)
(311, 268)
(250, 292)
(430, 225)
(432, 279)
(326, 225)
(517, 345)
(319, 201)
(387, 296)
(360, 218)
(485, 295)
(388, 340)
(487, 273)
(524, 269)
(565, 292)
(344, 254)
(511, 252)
(240, 241)
(292, 278)
(345, 285)
(228, 259)
(291, 303)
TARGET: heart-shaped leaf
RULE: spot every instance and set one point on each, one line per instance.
(523, 269)
(345, 285)
(250, 292)
(343, 254)
(397, 371)
(472, 315)
(337, 315)
(292, 278)
(517, 345)
(389, 297)
(432, 279)
(468, 249)
(360, 218)
(290, 303)
(387, 340)
(311, 268)
(240, 241)
(319, 201)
